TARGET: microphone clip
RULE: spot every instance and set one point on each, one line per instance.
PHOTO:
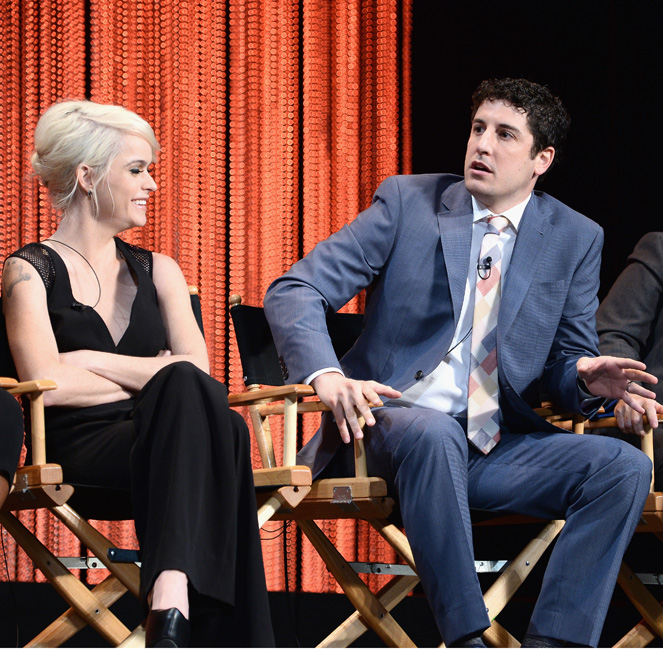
(483, 269)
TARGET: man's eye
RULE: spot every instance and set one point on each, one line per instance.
(478, 130)
(506, 135)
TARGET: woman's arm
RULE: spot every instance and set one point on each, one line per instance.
(185, 340)
(34, 348)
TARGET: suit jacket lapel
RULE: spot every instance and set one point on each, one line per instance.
(455, 225)
(531, 244)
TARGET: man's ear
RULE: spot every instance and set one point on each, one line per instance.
(543, 160)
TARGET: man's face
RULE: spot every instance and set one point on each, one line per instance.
(500, 171)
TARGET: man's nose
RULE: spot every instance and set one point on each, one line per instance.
(484, 142)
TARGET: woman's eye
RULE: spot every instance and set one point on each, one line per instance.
(135, 171)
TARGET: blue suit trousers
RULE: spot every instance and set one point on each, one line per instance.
(598, 485)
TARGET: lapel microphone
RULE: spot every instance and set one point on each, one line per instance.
(483, 269)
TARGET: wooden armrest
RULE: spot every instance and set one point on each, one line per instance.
(276, 393)
(27, 387)
(276, 408)
(570, 421)
(646, 444)
(299, 476)
(549, 410)
(37, 474)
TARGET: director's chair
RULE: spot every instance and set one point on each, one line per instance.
(360, 497)
(39, 486)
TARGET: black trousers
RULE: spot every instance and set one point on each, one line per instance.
(186, 457)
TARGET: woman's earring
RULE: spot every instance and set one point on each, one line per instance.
(89, 193)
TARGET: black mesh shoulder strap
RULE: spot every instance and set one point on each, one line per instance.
(142, 256)
(38, 256)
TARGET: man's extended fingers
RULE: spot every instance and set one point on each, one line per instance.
(355, 427)
(628, 363)
(339, 418)
(651, 414)
(384, 390)
(629, 399)
(639, 375)
(635, 389)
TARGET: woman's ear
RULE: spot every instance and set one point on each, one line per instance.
(85, 178)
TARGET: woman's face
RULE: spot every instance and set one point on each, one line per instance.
(123, 195)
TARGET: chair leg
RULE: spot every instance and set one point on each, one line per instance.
(77, 595)
(640, 635)
(136, 639)
(389, 596)
(70, 622)
(498, 636)
(374, 613)
(127, 573)
(395, 537)
(646, 603)
(290, 496)
(510, 580)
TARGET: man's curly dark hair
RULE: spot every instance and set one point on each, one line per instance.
(547, 118)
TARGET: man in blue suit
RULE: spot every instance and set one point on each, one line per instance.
(417, 250)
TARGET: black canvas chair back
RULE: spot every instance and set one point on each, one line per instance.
(7, 367)
(196, 307)
(260, 360)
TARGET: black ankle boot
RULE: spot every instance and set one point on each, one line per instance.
(167, 628)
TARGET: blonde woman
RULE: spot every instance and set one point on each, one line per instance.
(135, 407)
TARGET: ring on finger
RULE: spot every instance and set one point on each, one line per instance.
(628, 385)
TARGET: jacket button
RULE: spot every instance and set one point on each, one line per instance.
(419, 375)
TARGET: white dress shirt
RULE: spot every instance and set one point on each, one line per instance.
(445, 388)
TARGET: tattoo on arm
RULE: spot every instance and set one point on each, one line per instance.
(14, 276)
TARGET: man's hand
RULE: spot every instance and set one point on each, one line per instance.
(630, 421)
(613, 378)
(347, 398)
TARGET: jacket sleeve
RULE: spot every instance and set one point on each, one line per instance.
(336, 270)
(627, 316)
(576, 334)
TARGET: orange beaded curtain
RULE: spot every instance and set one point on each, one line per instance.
(277, 120)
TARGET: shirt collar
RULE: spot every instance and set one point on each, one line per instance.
(514, 214)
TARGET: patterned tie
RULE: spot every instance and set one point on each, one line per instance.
(483, 426)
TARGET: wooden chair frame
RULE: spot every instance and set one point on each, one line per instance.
(40, 486)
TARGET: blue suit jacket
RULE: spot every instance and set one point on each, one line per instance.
(412, 248)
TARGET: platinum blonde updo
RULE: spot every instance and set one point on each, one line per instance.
(74, 133)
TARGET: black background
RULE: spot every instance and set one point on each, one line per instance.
(602, 58)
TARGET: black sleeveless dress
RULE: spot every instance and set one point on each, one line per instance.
(176, 455)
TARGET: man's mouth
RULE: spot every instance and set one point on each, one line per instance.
(477, 165)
